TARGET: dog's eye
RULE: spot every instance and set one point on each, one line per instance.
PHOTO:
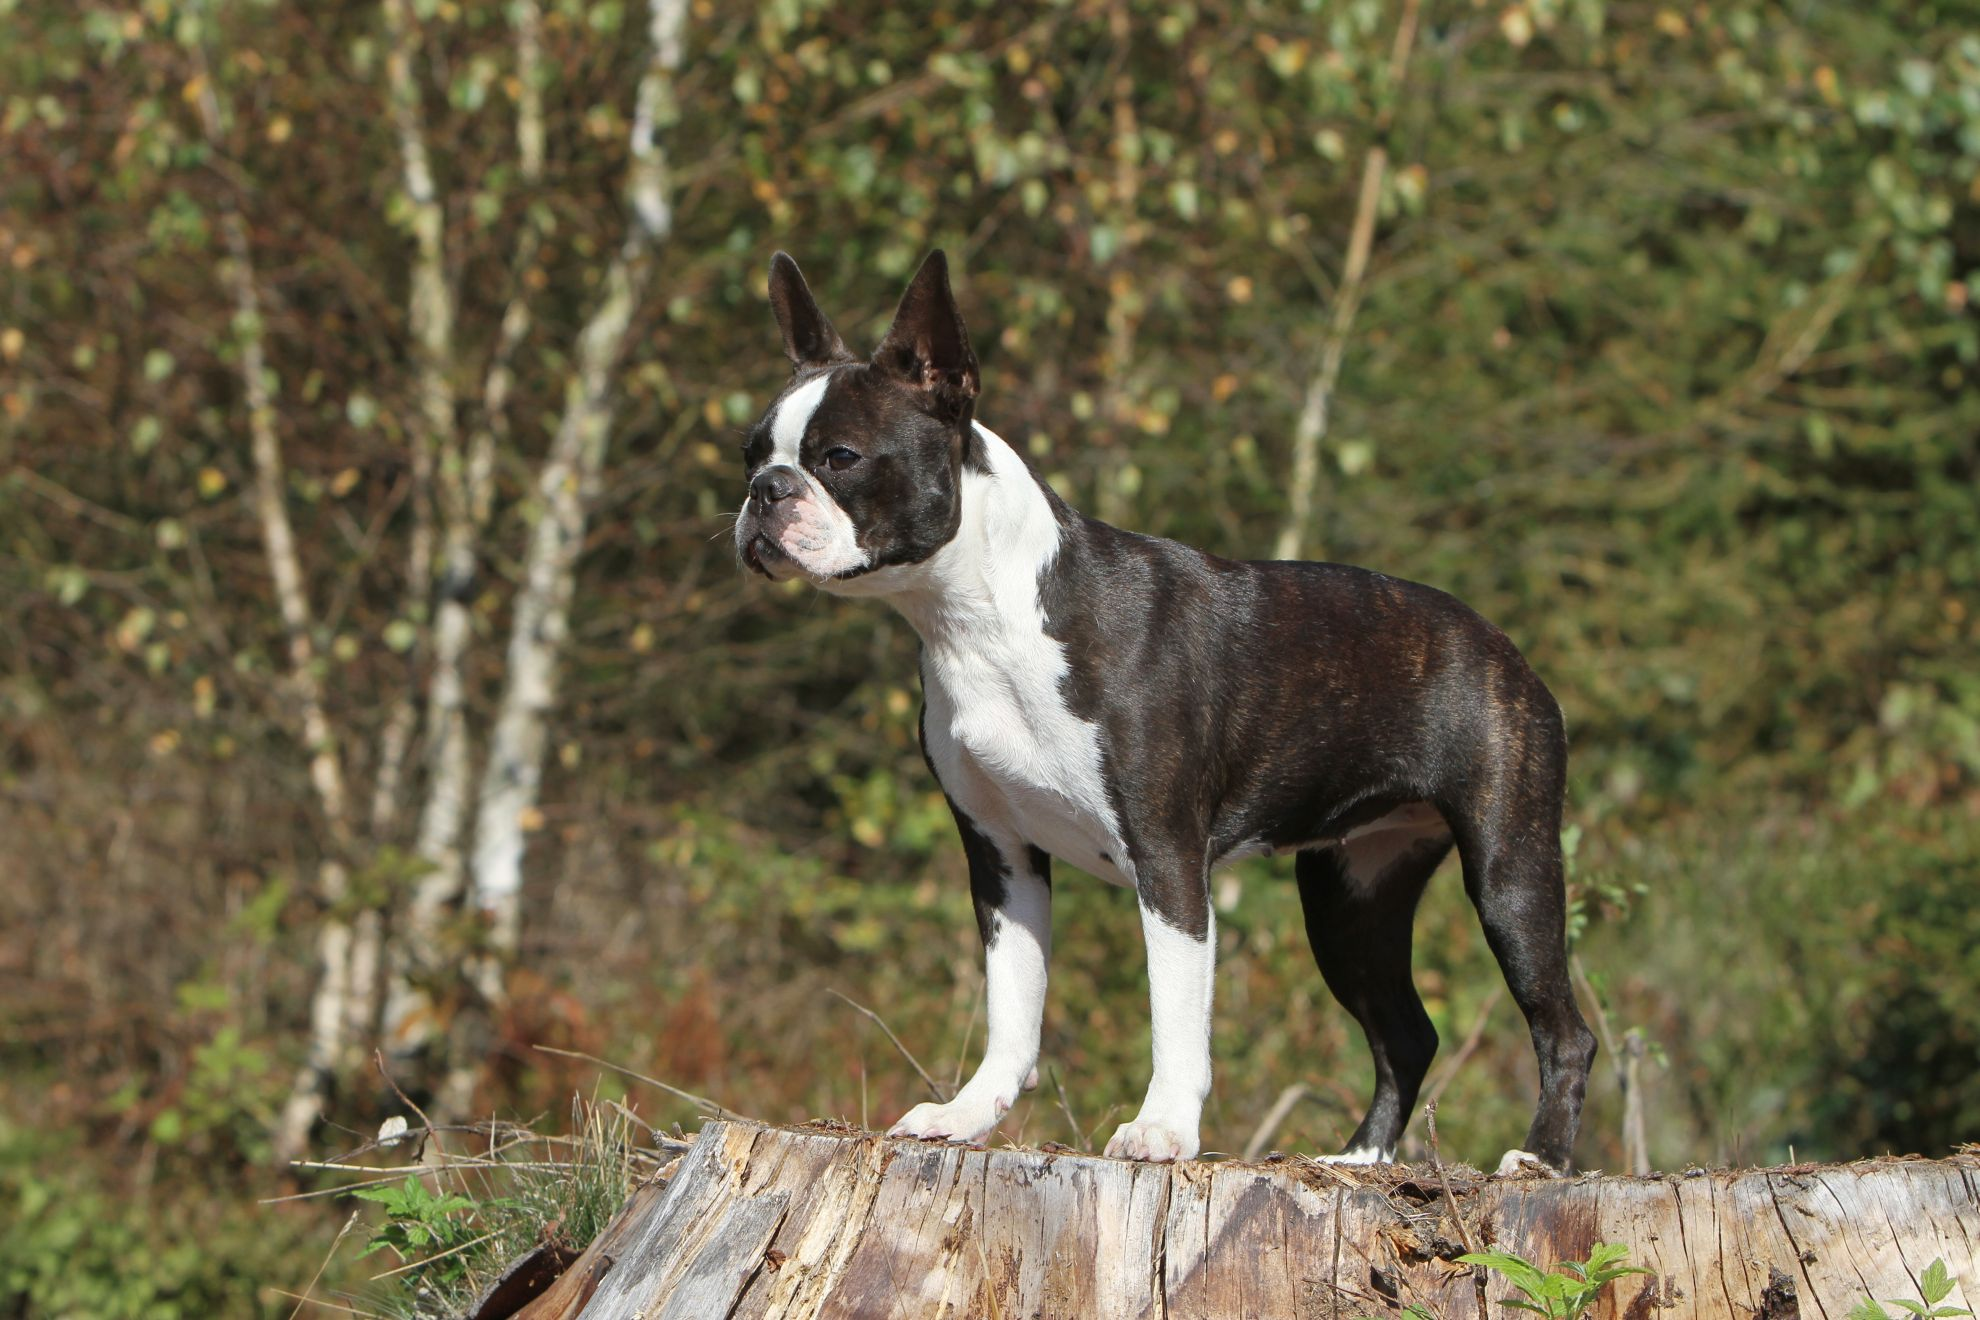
(840, 458)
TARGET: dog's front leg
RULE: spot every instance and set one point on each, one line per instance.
(1180, 930)
(1011, 886)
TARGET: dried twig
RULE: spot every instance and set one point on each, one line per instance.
(719, 1111)
(1065, 1107)
(1636, 1138)
(1627, 1067)
(318, 1301)
(934, 1088)
(1468, 1047)
(378, 1058)
(417, 1264)
(1437, 1162)
(989, 1283)
(393, 1176)
(338, 1242)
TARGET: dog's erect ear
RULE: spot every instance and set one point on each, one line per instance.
(927, 346)
(809, 339)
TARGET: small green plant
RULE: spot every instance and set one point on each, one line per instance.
(525, 1190)
(1935, 1287)
(421, 1224)
(1570, 1290)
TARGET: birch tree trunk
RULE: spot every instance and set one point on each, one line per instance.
(467, 491)
(330, 1012)
(566, 486)
(434, 446)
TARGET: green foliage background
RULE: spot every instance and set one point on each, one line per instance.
(1665, 363)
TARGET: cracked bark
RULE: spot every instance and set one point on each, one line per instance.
(825, 1221)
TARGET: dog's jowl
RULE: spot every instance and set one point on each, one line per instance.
(1145, 712)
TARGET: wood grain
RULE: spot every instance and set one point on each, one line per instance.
(774, 1222)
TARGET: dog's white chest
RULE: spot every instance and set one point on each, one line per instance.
(1003, 740)
(1018, 760)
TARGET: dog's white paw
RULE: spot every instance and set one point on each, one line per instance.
(1148, 1140)
(962, 1119)
(1359, 1155)
(1524, 1164)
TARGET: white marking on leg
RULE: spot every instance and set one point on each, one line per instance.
(1181, 983)
(1524, 1164)
(1014, 995)
(1360, 1155)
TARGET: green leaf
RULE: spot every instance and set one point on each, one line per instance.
(1523, 1274)
(1936, 1283)
(1867, 1310)
(1602, 1254)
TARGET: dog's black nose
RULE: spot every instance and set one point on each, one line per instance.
(773, 484)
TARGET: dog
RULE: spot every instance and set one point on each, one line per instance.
(1147, 712)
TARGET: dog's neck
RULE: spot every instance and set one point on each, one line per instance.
(985, 580)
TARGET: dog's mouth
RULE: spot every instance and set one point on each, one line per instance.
(759, 552)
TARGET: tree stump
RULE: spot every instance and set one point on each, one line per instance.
(762, 1221)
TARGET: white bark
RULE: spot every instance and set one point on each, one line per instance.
(435, 454)
(431, 310)
(330, 1006)
(565, 486)
(467, 494)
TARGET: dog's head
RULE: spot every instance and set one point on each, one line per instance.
(857, 466)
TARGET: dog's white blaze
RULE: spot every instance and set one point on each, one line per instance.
(818, 536)
(1181, 984)
(1004, 742)
(793, 416)
(1014, 997)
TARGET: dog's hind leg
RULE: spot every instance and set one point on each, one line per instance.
(1360, 902)
(1511, 847)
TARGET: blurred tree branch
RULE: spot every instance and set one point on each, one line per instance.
(1316, 409)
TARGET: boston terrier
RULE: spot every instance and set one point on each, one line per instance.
(1147, 712)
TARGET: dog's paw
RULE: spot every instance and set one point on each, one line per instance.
(1148, 1140)
(1359, 1155)
(962, 1119)
(1524, 1164)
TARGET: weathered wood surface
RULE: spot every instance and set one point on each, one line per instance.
(761, 1222)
